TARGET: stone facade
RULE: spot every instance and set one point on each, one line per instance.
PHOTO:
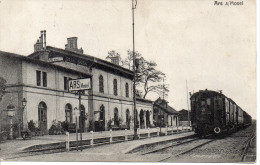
(20, 73)
(109, 104)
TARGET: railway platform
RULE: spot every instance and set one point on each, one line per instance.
(12, 149)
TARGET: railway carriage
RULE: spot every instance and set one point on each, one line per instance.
(213, 112)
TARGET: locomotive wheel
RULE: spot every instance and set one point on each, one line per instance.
(217, 130)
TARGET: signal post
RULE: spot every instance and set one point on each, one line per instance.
(78, 86)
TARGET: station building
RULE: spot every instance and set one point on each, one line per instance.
(42, 79)
(184, 118)
(164, 114)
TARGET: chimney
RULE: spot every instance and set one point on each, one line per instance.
(44, 35)
(115, 60)
(41, 38)
(72, 45)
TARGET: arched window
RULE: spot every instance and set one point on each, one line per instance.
(42, 117)
(101, 84)
(68, 113)
(115, 86)
(116, 118)
(126, 90)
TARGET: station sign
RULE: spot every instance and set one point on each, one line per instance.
(79, 84)
(56, 59)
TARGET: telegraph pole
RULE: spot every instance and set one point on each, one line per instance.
(188, 102)
(134, 69)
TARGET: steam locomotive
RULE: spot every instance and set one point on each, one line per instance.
(214, 113)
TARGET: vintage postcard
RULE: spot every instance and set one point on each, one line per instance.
(128, 81)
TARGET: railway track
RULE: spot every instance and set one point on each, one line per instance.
(177, 143)
(177, 148)
(190, 148)
(248, 143)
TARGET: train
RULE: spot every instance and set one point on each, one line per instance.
(214, 113)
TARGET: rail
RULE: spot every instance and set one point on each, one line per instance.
(249, 141)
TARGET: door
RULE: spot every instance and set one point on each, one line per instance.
(102, 118)
(147, 119)
(42, 118)
(127, 116)
(82, 118)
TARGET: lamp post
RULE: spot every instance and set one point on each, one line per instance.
(10, 113)
(134, 69)
(76, 114)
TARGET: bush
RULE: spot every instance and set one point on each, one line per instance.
(56, 128)
(65, 126)
(109, 124)
(15, 130)
(72, 127)
(31, 126)
(3, 136)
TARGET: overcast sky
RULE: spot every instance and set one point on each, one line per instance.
(210, 46)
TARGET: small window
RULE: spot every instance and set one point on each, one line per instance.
(101, 84)
(115, 86)
(44, 79)
(126, 90)
(38, 78)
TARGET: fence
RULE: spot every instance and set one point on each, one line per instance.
(97, 138)
(184, 123)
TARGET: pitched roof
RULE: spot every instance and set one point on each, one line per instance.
(95, 62)
(43, 63)
(172, 110)
(168, 109)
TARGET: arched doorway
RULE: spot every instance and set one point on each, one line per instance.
(82, 118)
(127, 119)
(116, 118)
(142, 119)
(42, 117)
(102, 118)
(137, 120)
(147, 119)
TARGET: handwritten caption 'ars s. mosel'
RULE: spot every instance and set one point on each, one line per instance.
(229, 3)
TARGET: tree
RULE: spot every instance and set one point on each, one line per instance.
(112, 54)
(149, 77)
(128, 62)
(163, 90)
(2, 87)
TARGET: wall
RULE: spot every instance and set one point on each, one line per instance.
(10, 70)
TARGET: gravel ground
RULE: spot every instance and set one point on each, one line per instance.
(227, 149)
